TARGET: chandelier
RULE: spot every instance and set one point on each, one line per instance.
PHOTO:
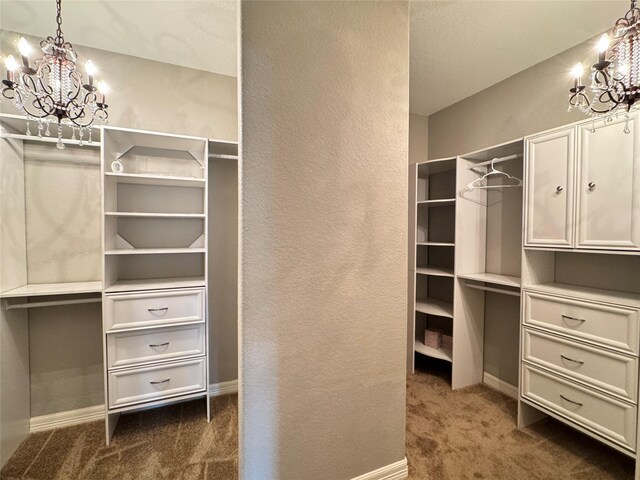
(615, 77)
(52, 90)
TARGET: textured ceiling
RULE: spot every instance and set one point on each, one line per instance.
(459, 48)
(165, 31)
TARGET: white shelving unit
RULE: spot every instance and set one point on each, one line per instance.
(155, 270)
(432, 247)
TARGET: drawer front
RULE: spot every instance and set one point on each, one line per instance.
(613, 419)
(127, 387)
(614, 327)
(615, 373)
(139, 310)
(125, 349)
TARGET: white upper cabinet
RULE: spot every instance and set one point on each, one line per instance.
(608, 199)
(549, 189)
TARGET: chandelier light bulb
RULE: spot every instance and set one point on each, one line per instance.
(90, 68)
(23, 47)
(603, 43)
(103, 88)
(577, 70)
(11, 63)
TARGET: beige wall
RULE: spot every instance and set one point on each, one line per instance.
(528, 102)
(63, 223)
(418, 138)
(324, 101)
(157, 96)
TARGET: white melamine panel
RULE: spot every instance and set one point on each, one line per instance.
(140, 310)
(549, 189)
(612, 372)
(605, 416)
(125, 349)
(606, 325)
(609, 185)
(140, 385)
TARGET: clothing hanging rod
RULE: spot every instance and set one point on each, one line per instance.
(52, 303)
(223, 156)
(496, 160)
(491, 289)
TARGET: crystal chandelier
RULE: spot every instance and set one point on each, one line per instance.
(52, 90)
(615, 78)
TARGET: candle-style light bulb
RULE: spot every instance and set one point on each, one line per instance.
(90, 68)
(577, 70)
(103, 89)
(603, 45)
(11, 63)
(23, 47)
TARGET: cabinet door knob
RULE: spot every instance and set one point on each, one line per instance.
(592, 185)
(559, 188)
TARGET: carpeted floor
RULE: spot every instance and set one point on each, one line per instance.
(466, 434)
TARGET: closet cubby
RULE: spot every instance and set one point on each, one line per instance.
(436, 182)
(437, 261)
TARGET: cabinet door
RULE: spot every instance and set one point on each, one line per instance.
(609, 185)
(549, 189)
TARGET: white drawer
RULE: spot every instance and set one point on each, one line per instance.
(612, 419)
(602, 369)
(125, 349)
(156, 382)
(139, 310)
(607, 325)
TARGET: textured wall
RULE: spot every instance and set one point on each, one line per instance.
(324, 102)
(63, 222)
(418, 138)
(528, 102)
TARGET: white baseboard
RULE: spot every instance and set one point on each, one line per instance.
(66, 419)
(223, 388)
(91, 414)
(500, 385)
(394, 471)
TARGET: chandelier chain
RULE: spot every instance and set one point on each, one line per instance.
(59, 34)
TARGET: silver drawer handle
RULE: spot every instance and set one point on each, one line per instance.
(575, 319)
(571, 401)
(161, 381)
(572, 360)
(161, 309)
(157, 345)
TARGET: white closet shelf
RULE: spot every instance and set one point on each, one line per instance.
(435, 271)
(444, 202)
(436, 244)
(95, 143)
(167, 180)
(153, 251)
(432, 306)
(595, 294)
(155, 284)
(495, 278)
(441, 353)
(154, 215)
(440, 165)
(41, 289)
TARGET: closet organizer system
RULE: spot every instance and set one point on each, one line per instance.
(149, 272)
(555, 265)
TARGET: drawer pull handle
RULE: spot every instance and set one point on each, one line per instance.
(161, 309)
(580, 362)
(157, 345)
(559, 188)
(575, 319)
(161, 381)
(571, 401)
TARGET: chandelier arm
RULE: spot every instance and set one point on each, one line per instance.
(23, 106)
